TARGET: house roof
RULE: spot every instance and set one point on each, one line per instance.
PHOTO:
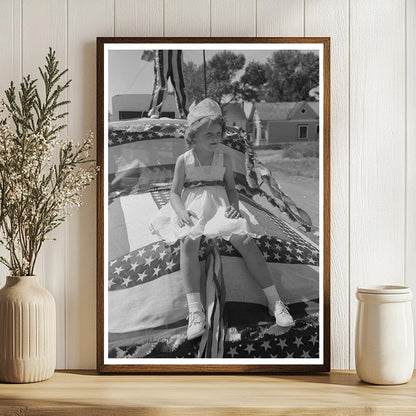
(314, 105)
(282, 110)
(248, 108)
(298, 106)
(274, 111)
(234, 109)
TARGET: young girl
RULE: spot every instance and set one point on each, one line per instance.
(204, 201)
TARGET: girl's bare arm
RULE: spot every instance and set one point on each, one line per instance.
(230, 183)
(177, 186)
(176, 192)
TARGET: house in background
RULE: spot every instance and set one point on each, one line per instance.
(265, 123)
(129, 106)
(235, 116)
(285, 122)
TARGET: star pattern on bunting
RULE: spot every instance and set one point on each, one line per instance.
(158, 259)
(151, 131)
(269, 346)
(155, 131)
(143, 265)
(262, 340)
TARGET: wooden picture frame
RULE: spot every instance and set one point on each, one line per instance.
(124, 343)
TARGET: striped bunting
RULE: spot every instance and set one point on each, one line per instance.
(289, 231)
(149, 132)
(146, 303)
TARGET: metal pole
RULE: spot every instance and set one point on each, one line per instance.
(205, 74)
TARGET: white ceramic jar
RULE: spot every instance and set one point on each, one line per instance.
(384, 337)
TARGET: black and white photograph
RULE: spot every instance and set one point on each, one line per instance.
(213, 203)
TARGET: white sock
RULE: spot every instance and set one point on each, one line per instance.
(194, 302)
(271, 295)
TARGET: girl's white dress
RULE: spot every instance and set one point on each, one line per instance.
(204, 195)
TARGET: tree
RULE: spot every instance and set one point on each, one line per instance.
(221, 84)
(253, 81)
(291, 75)
(286, 76)
(194, 81)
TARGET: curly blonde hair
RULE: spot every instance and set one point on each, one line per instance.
(192, 130)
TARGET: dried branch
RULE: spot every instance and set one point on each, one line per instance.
(36, 193)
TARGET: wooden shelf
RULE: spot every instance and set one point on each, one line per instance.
(86, 393)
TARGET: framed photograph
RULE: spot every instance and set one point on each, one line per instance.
(213, 205)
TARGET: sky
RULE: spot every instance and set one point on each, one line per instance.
(129, 74)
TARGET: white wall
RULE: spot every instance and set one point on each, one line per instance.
(373, 123)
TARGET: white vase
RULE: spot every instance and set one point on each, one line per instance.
(27, 331)
(384, 337)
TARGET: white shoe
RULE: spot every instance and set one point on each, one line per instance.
(196, 324)
(154, 116)
(282, 315)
